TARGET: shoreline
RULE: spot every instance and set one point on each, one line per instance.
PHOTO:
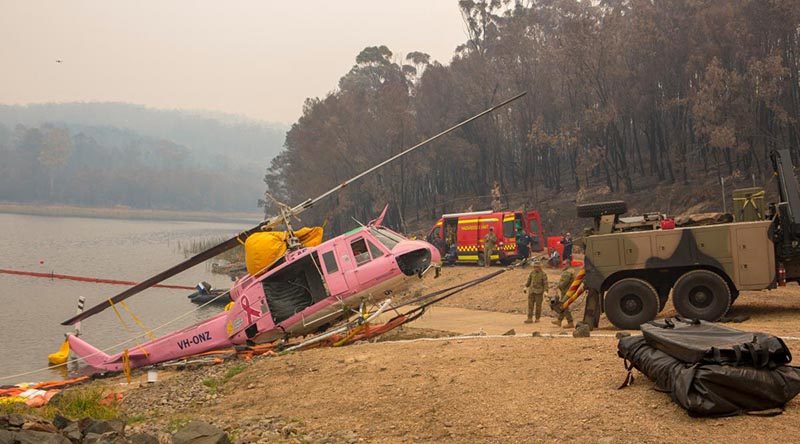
(127, 213)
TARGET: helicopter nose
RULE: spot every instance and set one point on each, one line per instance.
(414, 257)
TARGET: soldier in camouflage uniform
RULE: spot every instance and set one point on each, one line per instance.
(488, 247)
(536, 287)
(567, 276)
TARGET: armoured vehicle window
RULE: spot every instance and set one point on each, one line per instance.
(508, 229)
(385, 238)
(375, 251)
(360, 252)
(330, 262)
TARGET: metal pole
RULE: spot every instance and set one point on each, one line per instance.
(81, 300)
(724, 203)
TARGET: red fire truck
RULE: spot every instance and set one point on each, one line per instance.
(467, 230)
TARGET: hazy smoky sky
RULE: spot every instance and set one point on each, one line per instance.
(260, 59)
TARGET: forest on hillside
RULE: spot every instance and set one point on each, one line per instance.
(623, 95)
(112, 154)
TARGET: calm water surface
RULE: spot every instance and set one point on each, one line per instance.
(31, 309)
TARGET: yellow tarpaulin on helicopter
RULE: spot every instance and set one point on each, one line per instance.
(262, 249)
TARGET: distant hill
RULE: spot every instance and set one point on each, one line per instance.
(209, 135)
(107, 154)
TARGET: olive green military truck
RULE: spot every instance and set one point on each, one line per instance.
(634, 264)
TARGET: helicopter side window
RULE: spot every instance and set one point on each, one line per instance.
(330, 262)
(360, 252)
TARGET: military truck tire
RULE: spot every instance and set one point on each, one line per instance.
(602, 208)
(631, 302)
(701, 294)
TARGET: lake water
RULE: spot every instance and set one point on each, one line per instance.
(31, 309)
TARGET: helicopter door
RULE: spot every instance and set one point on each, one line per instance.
(332, 270)
(369, 270)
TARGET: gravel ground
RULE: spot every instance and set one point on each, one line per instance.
(460, 390)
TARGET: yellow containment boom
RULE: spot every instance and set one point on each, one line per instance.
(61, 356)
(262, 249)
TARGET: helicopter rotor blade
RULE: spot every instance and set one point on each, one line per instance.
(265, 225)
(166, 274)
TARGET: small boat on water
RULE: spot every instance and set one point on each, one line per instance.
(206, 293)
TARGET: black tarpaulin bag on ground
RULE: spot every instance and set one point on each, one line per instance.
(711, 389)
(694, 341)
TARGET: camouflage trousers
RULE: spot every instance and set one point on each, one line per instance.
(565, 313)
(487, 256)
(535, 304)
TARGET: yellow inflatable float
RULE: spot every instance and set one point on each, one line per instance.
(262, 249)
(61, 355)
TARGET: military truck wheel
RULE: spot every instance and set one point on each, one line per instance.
(602, 208)
(701, 294)
(630, 303)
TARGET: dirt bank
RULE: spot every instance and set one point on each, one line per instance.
(517, 389)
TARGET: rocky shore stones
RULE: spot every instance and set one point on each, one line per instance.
(19, 429)
(198, 432)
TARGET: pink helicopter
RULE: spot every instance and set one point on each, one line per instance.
(311, 289)
(307, 290)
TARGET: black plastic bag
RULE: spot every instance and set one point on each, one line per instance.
(709, 343)
(712, 389)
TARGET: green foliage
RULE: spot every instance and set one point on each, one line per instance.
(135, 419)
(177, 422)
(374, 55)
(77, 403)
(233, 371)
(214, 384)
(83, 403)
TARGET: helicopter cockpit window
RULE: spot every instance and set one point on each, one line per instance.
(360, 252)
(375, 251)
(385, 238)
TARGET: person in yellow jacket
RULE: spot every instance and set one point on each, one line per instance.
(536, 288)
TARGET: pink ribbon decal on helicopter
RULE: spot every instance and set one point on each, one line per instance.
(250, 311)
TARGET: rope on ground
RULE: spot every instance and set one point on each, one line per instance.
(540, 335)
(467, 337)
